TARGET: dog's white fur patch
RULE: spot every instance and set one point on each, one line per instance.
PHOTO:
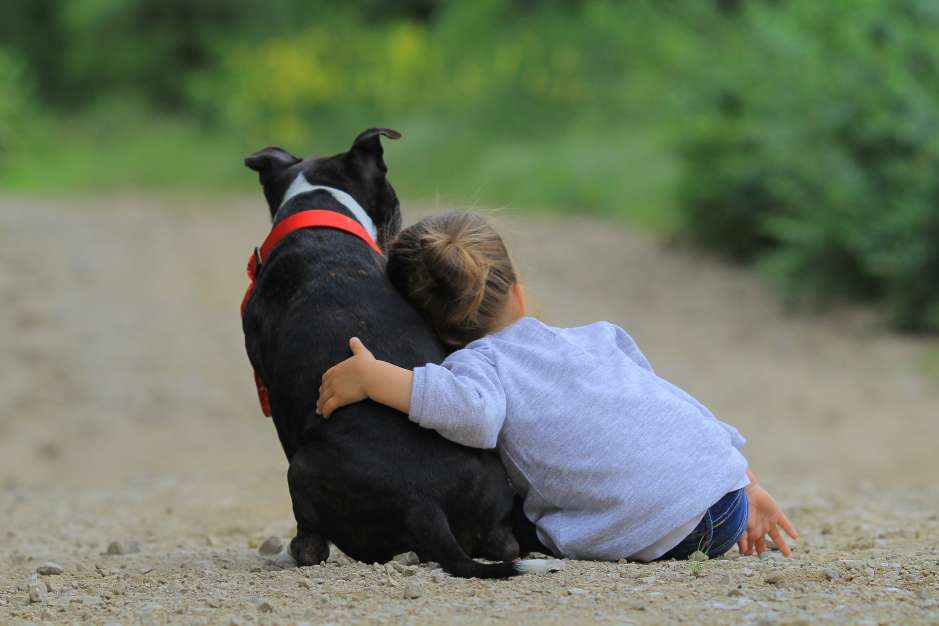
(301, 185)
(539, 567)
(284, 560)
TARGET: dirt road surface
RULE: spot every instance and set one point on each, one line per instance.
(128, 417)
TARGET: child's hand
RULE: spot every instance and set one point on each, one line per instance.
(765, 518)
(347, 382)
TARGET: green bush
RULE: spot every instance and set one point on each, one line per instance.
(815, 153)
(15, 102)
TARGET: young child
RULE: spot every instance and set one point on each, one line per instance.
(612, 460)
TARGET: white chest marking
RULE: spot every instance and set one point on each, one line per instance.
(301, 185)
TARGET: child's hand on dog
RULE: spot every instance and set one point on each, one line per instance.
(363, 377)
(766, 518)
(345, 383)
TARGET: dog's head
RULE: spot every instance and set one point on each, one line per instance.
(360, 172)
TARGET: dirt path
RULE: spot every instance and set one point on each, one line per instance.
(127, 414)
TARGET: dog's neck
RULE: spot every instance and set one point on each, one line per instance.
(301, 185)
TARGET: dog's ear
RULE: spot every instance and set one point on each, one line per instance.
(367, 153)
(270, 158)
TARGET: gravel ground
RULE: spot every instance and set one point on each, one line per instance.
(135, 461)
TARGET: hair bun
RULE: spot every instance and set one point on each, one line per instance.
(454, 268)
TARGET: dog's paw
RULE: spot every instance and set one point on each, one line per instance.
(540, 567)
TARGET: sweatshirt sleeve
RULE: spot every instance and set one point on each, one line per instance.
(462, 398)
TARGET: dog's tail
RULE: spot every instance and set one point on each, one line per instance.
(435, 542)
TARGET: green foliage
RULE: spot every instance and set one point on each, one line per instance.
(816, 155)
(800, 135)
(15, 101)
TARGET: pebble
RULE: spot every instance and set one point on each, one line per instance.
(647, 580)
(49, 569)
(264, 606)
(36, 589)
(773, 578)
(576, 591)
(271, 546)
(407, 558)
(116, 548)
(831, 573)
(412, 590)
(404, 570)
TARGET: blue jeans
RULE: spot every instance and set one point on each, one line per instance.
(719, 529)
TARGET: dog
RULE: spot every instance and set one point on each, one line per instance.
(368, 480)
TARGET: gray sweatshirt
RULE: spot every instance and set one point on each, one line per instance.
(610, 458)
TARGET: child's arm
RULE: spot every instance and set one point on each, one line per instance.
(363, 376)
(462, 399)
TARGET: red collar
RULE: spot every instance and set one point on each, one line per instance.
(314, 218)
(307, 219)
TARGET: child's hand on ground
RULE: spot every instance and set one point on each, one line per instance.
(346, 382)
(765, 518)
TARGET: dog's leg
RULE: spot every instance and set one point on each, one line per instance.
(434, 541)
(500, 544)
(309, 547)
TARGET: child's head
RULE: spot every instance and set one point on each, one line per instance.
(455, 270)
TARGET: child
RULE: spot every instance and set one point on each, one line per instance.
(612, 460)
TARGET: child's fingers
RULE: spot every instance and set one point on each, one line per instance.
(357, 347)
(780, 542)
(787, 526)
(329, 407)
(760, 545)
(743, 545)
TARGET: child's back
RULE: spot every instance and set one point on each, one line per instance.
(609, 457)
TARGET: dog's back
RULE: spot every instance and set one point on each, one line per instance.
(369, 480)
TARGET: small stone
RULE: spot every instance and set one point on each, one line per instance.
(576, 591)
(265, 606)
(647, 580)
(438, 576)
(404, 570)
(49, 569)
(831, 573)
(773, 578)
(412, 590)
(271, 546)
(407, 558)
(36, 589)
(304, 583)
(116, 548)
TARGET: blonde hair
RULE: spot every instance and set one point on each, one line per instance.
(455, 270)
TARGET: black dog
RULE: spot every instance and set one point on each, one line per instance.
(368, 480)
